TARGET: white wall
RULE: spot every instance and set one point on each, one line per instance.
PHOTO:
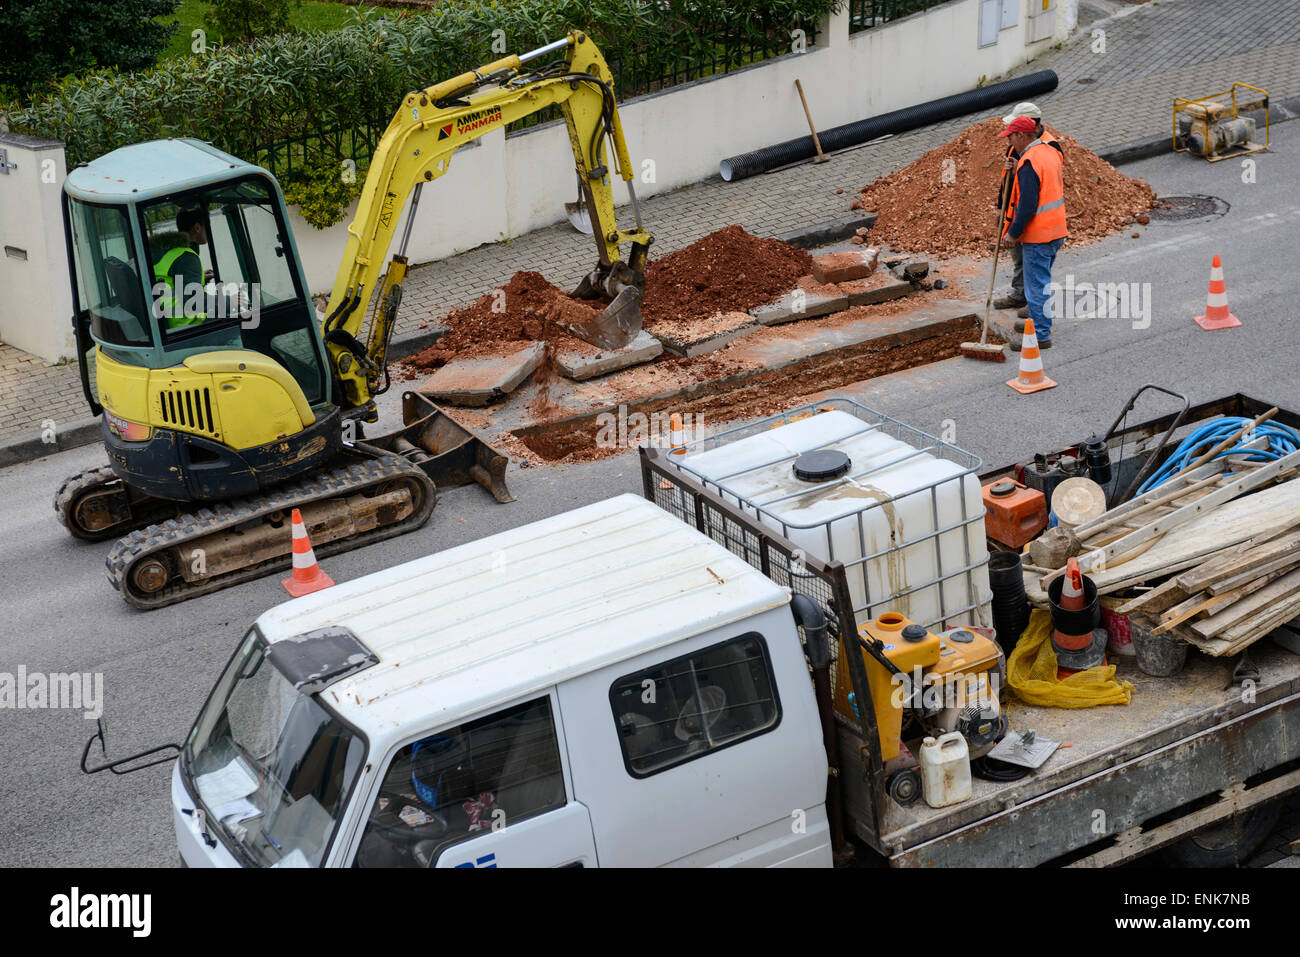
(35, 298)
(508, 186)
(520, 183)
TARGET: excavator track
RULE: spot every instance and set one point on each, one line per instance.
(98, 494)
(344, 507)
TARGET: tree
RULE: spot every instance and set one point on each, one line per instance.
(43, 40)
(247, 19)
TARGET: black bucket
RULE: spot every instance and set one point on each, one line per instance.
(1010, 605)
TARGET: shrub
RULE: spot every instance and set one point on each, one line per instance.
(315, 95)
(42, 40)
(249, 19)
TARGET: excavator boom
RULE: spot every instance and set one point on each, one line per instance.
(417, 148)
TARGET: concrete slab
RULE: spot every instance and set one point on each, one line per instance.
(799, 304)
(819, 234)
(856, 263)
(880, 286)
(478, 381)
(704, 336)
(582, 363)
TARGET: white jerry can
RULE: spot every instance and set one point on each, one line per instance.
(945, 770)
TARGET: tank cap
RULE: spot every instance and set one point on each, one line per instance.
(1004, 487)
(961, 636)
(914, 633)
(821, 465)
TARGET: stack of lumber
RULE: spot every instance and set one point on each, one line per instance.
(1214, 554)
(1237, 596)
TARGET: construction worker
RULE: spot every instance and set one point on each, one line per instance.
(180, 269)
(1036, 218)
(1015, 299)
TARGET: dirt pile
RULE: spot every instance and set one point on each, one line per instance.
(945, 203)
(516, 313)
(727, 271)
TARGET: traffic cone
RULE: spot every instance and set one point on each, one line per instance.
(1081, 650)
(1031, 377)
(676, 444)
(1216, 315)
(307, 574)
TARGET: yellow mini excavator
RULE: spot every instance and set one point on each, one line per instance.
(226, 402)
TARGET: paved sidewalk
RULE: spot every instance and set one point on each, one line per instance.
(1152, 54)
(1177, 48)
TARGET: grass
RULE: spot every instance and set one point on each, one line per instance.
(194, 15)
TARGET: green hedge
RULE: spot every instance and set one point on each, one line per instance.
(305, 88)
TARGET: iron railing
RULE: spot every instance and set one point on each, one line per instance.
(865, 14)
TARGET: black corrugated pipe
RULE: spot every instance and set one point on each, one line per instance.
(816, 633)
(899, 121)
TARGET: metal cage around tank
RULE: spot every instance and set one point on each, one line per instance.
(970, 523)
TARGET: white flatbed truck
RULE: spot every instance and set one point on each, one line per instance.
(629, 685)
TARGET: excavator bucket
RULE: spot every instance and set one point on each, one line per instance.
(619, 322)
(446, 451)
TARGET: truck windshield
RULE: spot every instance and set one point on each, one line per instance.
(270, 763)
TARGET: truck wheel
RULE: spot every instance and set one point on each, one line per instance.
(1230, 843)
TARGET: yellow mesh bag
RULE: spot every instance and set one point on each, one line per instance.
(1031, 673)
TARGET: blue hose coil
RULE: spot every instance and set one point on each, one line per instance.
(1282, 440)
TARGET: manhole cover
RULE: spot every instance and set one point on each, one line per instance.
(1185, 209)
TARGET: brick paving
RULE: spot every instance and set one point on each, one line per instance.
(1176, 48)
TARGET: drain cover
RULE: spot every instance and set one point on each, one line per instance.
(1186, 209)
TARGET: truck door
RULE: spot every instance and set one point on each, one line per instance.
(489, 792)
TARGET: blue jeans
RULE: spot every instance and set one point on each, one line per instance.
(1038, 259)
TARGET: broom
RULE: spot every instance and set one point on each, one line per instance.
(983, 349)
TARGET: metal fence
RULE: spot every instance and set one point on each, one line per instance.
(865, 14)
(641, 69)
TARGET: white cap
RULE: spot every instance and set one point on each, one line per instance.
(1023, 109)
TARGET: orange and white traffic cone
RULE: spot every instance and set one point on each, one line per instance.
(1031, 377)
(1216, 315)
(307, 576)
(1081, 650)
(676, 444)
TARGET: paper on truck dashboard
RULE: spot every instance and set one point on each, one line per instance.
(218, 788)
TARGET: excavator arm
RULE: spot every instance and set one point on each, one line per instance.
(417, 148)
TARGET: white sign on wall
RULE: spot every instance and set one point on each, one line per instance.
(990, 21)
(1010, 13)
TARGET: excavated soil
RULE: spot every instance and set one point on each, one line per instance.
(738, 392)
(945, 203)
(727, 271)
(524, 310)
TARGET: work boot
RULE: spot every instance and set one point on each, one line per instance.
(1016, 343)
(1023, 311)
(1009, 301)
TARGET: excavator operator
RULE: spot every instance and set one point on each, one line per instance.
(179, 269)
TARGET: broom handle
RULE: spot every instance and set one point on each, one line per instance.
(997, 252)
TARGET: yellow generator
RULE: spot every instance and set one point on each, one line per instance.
(922, 684)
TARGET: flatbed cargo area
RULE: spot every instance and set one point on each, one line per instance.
(1176, 741)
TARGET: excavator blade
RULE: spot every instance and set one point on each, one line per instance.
(616, 326)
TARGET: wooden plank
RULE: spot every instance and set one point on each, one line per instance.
(1181, 612)
(1165, 595)
(1223, 601)
(1228, 584)
(1272, 509)
(1252, 605)
(1202, 506)
(1241, 561)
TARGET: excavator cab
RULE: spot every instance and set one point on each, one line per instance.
(193, 319)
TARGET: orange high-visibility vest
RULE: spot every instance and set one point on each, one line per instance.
(1048, 221)
(1045, 137)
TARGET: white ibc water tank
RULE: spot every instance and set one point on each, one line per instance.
(907, 524)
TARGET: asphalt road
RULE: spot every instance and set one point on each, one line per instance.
(62, 616)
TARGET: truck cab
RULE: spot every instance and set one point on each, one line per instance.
(606, 687)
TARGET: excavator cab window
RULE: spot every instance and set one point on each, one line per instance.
(107, 278)
(222, 275)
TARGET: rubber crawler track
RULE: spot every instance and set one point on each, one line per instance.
(190, 528)
(71, 491)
